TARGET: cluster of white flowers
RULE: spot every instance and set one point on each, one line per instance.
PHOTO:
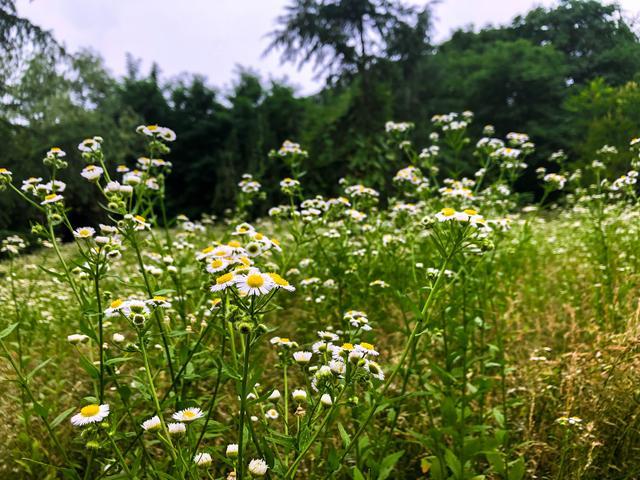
(291, 148)
(156, 131)
(624, 181)
(399, 127)
(248, 184)
(556, 180)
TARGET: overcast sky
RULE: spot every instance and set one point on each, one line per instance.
(212, 37)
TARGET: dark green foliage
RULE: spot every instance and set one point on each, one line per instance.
(559, 74)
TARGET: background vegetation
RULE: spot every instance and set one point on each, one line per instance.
(565, 75)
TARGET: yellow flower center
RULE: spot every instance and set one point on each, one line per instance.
(188, 414)
(227, 277)
(84, 232)
(51, 196)
(448, 212)
(90, 410)
(258, 236)
(234, 244)
(347, 346)
(217, 263)
(116, 303)
(140, 218)
(245, 261)
(279, 280)
(3, 170)
(255, 280)
(160, 298)
(284, 340)
(470, 211)
(152, 128)
(56, 149)
(367, 346)
(207, 250)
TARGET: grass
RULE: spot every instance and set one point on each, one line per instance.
(457, 351)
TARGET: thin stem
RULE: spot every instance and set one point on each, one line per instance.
(243, 405)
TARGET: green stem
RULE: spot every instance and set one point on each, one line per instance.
(154, 396)
(243, 405)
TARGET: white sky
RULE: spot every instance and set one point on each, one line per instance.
(212, 37)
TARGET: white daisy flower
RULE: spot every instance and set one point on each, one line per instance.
(324, 335)
(283, 342)
(302, 357)
(224, 281)
(326, 400)
(258, 467)
(367, 349)
(217, 265)
(84, 232)
(52, 198)
(152, 424)
(446, 215)
(275, 395)
(77, 338)
(281, 282)
(337, 366)
(56, 152)
(93, 413)
(271, 414)
(114, 308)
(374, 369)
(232, 450)
(90, 145)
(254, 249)
(299, 395)
(138, 221)
(92, 172)
(243, 229)
(254, 283)
(176, 428)
(188, 414)
(202, 459)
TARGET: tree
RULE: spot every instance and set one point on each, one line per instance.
(594, 37)
(605, 115)
(21, 41)
(341, 36)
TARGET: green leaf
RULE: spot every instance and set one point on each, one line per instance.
(357, 474)
(35, 370)
(449, 415)
(453, 463)
(116, 360)
(40, 410)
(496, 461)
(346, 440)
(516, 469)
(163, 292)
(89, 368)
(7, 331)
(60, 418)
(387, 464)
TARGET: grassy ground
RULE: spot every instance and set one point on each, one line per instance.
(572, 352)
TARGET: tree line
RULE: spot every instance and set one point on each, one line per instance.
(566, 75)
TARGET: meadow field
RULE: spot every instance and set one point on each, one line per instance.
(445, 328)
